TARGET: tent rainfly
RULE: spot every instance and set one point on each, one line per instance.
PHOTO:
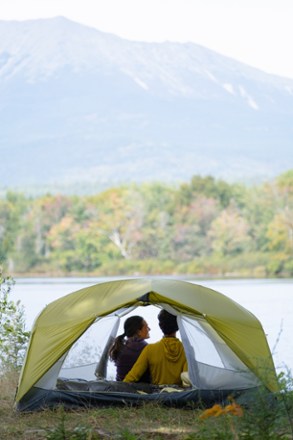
(66, 360)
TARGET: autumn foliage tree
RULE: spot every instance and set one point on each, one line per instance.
(195, 227)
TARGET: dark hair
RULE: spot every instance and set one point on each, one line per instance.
(131, 326)
(167, 322)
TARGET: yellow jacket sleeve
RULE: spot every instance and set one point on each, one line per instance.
(165, 366)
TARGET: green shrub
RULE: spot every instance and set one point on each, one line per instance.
(13, 336)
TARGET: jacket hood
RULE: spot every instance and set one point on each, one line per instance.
(173, 348)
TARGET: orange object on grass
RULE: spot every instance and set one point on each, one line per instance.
(218, 410)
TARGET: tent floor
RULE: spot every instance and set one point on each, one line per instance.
(111, 385)
(78, 393)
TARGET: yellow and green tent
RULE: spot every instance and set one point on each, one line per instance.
(225, 344)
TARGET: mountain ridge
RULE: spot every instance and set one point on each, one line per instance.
(81, 105)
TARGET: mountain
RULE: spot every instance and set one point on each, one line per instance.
(79, 106)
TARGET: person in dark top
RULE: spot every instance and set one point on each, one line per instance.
(127, 347)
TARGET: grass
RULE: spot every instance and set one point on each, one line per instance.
(264, 419)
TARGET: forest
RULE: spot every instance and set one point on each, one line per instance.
(205, 227)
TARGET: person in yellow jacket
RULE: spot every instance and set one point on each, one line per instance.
(164, 359)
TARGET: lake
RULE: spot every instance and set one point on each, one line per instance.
(271, 301)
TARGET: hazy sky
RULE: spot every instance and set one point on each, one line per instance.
(257, 32)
